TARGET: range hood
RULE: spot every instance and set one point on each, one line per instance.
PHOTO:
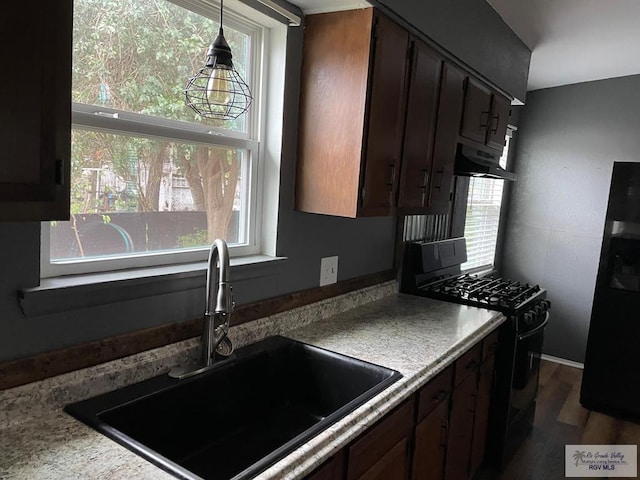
(472, 162)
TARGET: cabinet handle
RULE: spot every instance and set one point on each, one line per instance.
(58, 171)
(440, 173)
(444, 430)
(472, 365)
(497, 119)
(484, 123)
(440, 396)
(392, 177)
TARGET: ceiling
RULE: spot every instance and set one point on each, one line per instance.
(575, 40)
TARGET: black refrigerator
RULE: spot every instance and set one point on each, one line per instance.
(611, 378)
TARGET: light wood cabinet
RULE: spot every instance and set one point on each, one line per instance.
(352, 110)
(36, 111)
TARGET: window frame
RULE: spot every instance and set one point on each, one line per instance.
(104, 119)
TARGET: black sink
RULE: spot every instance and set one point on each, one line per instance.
(238, 419)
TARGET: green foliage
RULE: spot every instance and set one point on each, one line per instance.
(136, 56)
(196, 239)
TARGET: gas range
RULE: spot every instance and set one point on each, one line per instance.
(433, 269)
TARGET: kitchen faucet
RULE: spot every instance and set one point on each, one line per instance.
(216, 319)
(217, 313)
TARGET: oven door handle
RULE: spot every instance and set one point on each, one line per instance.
(535, 330)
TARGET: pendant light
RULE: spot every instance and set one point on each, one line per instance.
(217, 90)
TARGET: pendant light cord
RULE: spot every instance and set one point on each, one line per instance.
(221, 12)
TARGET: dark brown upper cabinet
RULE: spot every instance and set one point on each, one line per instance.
(36, 112)
(352, 110)
(500, 108)
(444, 148)
(421, 117)
(485, 118)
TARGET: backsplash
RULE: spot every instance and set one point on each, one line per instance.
(426, 227)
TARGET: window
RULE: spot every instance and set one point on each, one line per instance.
(153, 183)
(484, 202)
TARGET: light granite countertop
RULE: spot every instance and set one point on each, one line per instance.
(419, 337)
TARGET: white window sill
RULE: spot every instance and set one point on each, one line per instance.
(59, 294)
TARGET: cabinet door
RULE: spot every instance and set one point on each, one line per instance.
(461, 429)
(333, 98)
(386, 437)
(431, 445)
(444, 152)
(392, 465)
(500, 108)
(36, 111)
(332, 469)
(385, 118)
(477, 109)
(422, 110)
(481, 421)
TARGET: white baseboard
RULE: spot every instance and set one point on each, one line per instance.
(562, 361)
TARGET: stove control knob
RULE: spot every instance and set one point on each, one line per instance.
(546, 304)
(528, 318)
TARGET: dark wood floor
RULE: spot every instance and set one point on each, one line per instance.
(561, 420)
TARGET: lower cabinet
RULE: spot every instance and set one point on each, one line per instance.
(382, 452)
(461, 420)
(431, 444)
(439, 433)
(332, 469)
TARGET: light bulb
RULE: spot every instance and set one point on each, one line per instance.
(219, 86)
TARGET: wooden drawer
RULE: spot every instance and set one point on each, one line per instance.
(379, 439)
(469, 363)
(435, 392)
(489, 345)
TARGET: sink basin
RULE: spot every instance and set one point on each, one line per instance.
(241, 417)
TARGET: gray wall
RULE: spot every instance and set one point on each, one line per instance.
(481, 39)
(568, 139)
(364, 246)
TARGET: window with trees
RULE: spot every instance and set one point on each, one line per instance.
(152, 182)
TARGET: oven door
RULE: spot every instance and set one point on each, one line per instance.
(524, 387)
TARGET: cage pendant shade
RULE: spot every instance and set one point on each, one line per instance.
(217, 90)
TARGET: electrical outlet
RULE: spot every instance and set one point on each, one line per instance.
(328, 270)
